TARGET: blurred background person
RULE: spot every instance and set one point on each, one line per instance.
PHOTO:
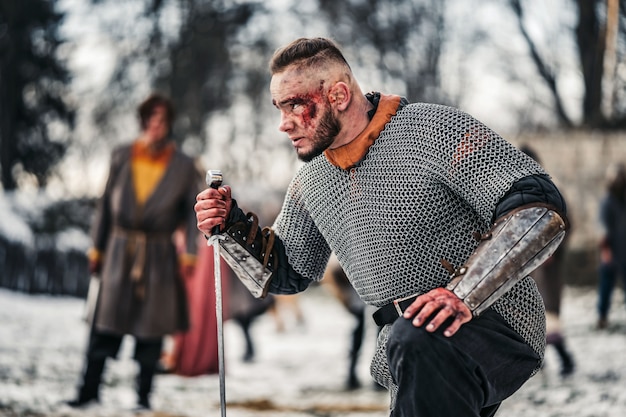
(613, 241)
(149, 194)
(549, 279)
(287, 307)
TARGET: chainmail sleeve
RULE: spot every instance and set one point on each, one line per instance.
(305, 247)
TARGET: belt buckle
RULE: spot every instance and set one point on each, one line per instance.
(397, 301)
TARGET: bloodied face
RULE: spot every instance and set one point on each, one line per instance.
(306, 114)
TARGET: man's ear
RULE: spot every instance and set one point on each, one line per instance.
(339, 96)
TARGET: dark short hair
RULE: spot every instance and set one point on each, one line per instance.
(146, 108)
(306, 52)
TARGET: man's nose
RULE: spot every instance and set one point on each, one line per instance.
(285, 124)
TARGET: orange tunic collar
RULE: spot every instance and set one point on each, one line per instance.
(350, 154)
(141, 151)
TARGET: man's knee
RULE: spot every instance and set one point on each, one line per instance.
(406, 339)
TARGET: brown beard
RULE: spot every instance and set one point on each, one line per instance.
(325, 135)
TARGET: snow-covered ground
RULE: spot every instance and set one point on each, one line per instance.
(299, 372)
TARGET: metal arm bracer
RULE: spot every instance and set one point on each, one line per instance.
(517, 244)
(248, 251)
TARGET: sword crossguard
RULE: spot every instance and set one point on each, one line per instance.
(215, 238)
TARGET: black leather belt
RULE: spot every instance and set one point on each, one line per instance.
(387, 314)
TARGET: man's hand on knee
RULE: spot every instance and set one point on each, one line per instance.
(440, 304)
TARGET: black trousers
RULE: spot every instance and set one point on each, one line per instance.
(468, 374)
(105, 345)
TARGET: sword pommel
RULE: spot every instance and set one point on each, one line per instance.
(214, 178)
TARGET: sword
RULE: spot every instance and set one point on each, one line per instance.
(214, 180)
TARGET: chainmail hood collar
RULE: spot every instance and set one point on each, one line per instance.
(350, 154)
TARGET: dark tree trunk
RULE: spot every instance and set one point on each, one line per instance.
(8, 94)
(591, 46)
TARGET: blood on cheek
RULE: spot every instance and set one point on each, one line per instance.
(308, 109)
(308, 114)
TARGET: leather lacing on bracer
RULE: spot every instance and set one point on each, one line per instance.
(267, 237)
(268, 245)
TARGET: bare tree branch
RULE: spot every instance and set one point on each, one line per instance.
(544, 71)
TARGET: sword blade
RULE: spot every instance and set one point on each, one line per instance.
(217, 270)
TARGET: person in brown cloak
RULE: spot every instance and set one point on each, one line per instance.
(149, 194)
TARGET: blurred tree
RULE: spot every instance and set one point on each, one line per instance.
(35, 118)
(601, 43)
(211, 57)
(545, 71)
(403, 38)
(190, 61)
(591, 40)
(199, 77)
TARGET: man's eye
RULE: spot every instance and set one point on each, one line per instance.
(295, 106)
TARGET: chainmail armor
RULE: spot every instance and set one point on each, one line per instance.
(432, 177)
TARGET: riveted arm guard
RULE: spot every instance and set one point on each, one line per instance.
(517, 244)
(248, 251)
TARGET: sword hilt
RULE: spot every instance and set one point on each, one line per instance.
(214, 179)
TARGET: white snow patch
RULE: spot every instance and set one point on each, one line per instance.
(42, 342)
